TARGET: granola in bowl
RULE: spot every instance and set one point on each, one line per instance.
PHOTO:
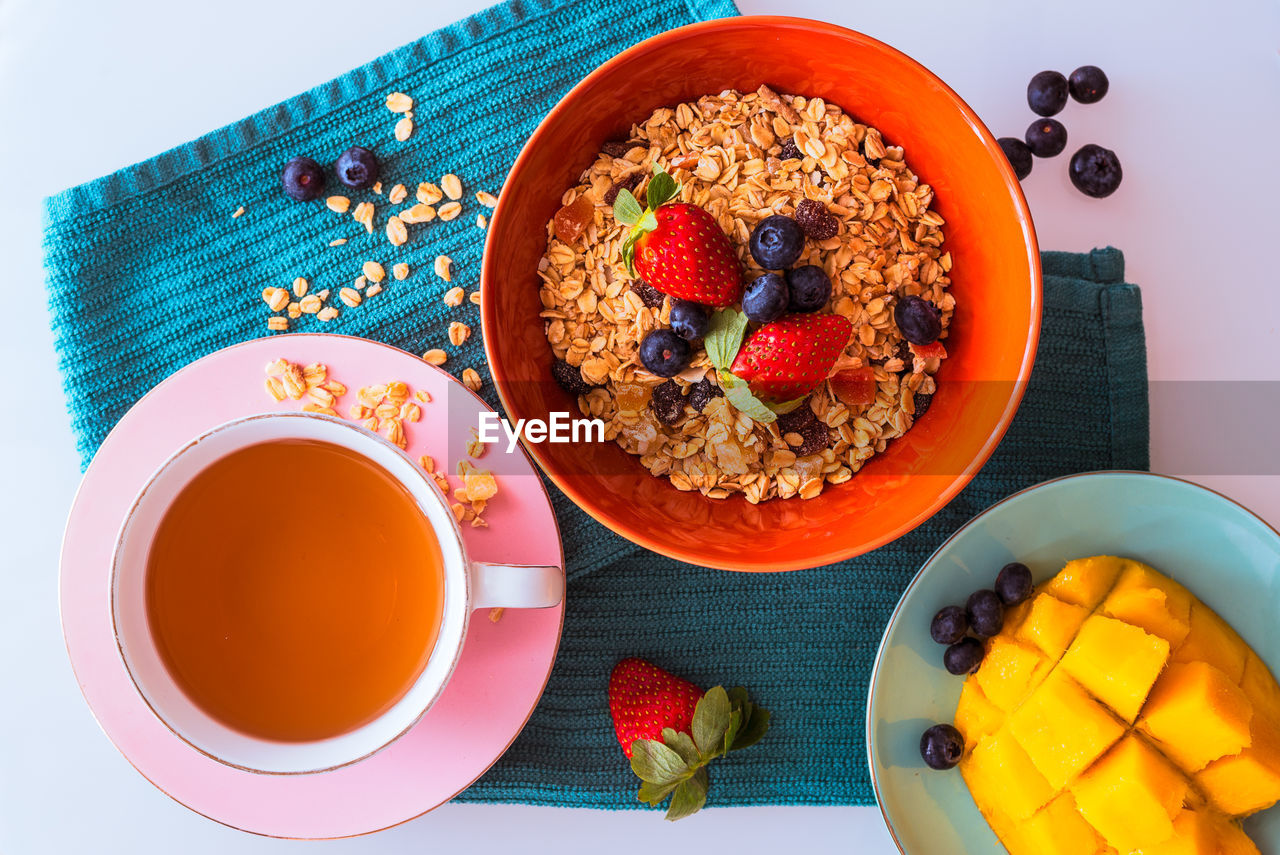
(743, 158)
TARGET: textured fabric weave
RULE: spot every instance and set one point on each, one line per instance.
(147, 271)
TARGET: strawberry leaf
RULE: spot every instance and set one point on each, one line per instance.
(710, 721)
(787, 406)
(662, 189)
(753, 730)
(626, 209)
(653, 794)
(739, 394)
(689, 796)
(731, 733)
(656, 763)
(682, 744)
(724, 337)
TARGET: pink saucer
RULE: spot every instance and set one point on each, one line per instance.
(504, 666)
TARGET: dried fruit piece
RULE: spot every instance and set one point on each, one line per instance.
(817, 437)
(627, 182)
(648, 295)
(573, 219)
(818, 223)
(702, 393)
(667, 402)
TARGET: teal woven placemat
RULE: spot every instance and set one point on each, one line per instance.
(147, 271)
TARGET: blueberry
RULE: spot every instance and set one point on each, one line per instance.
(1095, 171)
(1014, 583)
(1046, 137)
(665, 353)
(776, 242)
(810, 288)
(1088, 84)
(302, 179)
(357, 168)
(963, 657)
(689, 320)
(985, 612)
(918, 320)
(941, 746)
(766, 298)
(949, 625)
(1047, 93)
(1018, 155)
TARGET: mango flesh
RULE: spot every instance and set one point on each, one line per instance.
(1196, 715)
(1131, 795)
(1211, 640)
(1116, 662)
(1247, 782)
(1063, 729)
(1050, 625)
(1117, 705)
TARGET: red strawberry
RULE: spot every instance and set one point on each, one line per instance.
(787, 358)
(643, 699)
(679, 248)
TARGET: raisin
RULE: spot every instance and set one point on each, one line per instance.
(619, 148)
(668, 402)
(649, 295)
(569, 378)
(816, 438)
(628, 183)
(702, 393)
(818, 223)
(789, 150)
(922, 403)
(798, 418)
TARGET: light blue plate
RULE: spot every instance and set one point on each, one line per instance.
(1227, 557)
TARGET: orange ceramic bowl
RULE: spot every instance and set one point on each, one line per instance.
(996, 283)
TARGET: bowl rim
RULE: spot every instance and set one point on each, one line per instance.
(488, 311)
(1100, 474)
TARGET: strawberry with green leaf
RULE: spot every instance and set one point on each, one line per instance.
(787, 358)
(671, 730)
(678, 248)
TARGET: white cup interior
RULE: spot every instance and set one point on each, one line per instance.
(143, 659)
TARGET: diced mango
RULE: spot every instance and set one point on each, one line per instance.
(1116, 662)
(1260, 687)
(1247, 782)
(1196, 714)
(1193, 834)
(1050, 625)
(1056, 829)
(1232, 839)
(1085, 581)
(1014, 617)
(975, 715)
(1009, 671)
(1211, 640)
(1147, 598)
(1062, 729)
(1131, 795)
(1000, 774)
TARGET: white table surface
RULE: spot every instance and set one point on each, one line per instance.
(88, 87)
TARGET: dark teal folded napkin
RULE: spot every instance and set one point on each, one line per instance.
(148, 270)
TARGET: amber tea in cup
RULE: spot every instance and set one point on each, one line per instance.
(294, 590)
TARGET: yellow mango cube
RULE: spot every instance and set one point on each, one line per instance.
(1056, 829)
(1231, 838)
(1147, 598)
(1050, 625)
(1062, 729)
(1116, 662)
(1196, 714)
(1211, 640)
(1260, 687)
(1131, 795)
(1247, 782)
(976, 716)
(1009, 671)
(1001, 777)
(1085, 581)
(1193, 834)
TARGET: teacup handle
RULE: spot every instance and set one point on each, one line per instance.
(515, 586)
